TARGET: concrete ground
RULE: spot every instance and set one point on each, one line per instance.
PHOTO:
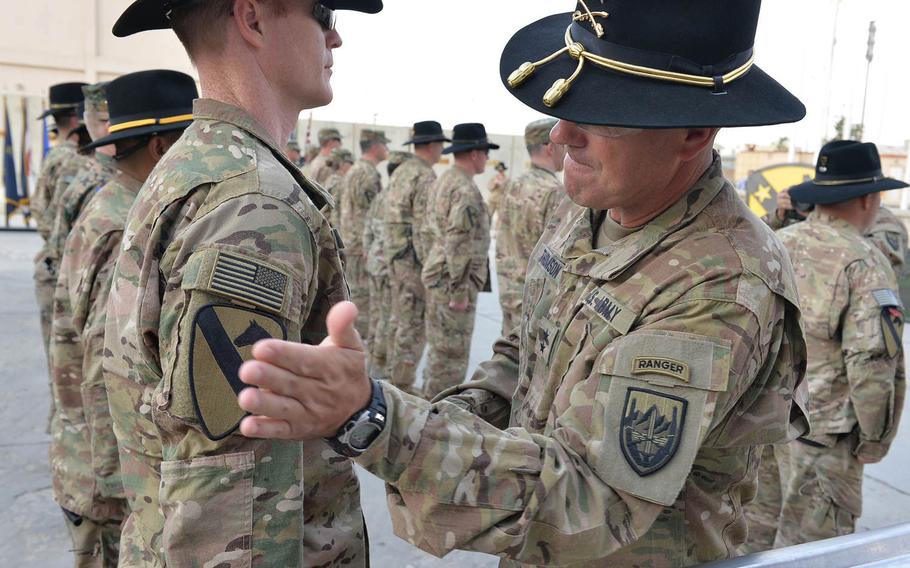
(32, 525)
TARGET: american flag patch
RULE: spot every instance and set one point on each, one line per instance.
(249, 281)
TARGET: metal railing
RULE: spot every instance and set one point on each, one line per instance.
(880, 548)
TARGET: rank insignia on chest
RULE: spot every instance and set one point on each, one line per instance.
(651, 429)
(222, 338)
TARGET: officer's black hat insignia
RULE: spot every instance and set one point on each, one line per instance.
(651, 429)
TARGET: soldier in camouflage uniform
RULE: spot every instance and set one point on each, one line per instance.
(318, 169)
(361, 186)
(405, 216)
(496, 188)
(224, 246)
(57, 171)
(527, 204)
(621, 425)
(383, 320)
(83, 452)
(456, 268)
(853, 319)
(889, 234)
(340, 162)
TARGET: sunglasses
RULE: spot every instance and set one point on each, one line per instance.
(325, 16)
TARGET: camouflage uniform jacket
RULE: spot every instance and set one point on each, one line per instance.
(318, 170)
(224, 246)
(459, 251)
(47, 183)
(527, 204)
(96, 172)
(334, 185)
(406, 211)
(84, 458)
(361, 186)
(889, 234)
(850, 306)
(627, 417)
(374, 238)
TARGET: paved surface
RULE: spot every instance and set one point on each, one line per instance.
(32, 526)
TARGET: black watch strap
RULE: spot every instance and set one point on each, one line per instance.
(349, 440)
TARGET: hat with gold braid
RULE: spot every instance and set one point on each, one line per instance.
(647, 64)
(148, 102)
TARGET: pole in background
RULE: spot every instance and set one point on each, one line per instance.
(870, 48)
(830, 71)
(25, 167)
(11, 192)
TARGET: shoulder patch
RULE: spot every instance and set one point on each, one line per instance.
(249, 280)
(892, 320)
(886, 297)
(222, 339)
(651, 429)
(661, 366)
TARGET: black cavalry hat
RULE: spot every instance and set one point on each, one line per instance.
(647, 64)
(470, 136)
(425, 132)
(64, 96)
(144, 15)
(148, 102)
(845, 169)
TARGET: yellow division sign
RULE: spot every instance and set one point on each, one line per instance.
(762, 186)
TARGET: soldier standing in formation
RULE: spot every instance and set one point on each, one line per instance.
(84, 458)
(496, 188)
(407, 244)
(340, 161)
(853, 320)
(317, 169)
(528, 202)
(621, 426)
(361, 186)
(225, 246)
(292, 151)
(456, 268)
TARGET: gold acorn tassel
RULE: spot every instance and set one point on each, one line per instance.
(526, 69)
(561, 86)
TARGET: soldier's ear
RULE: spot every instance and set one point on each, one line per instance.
(247, 16)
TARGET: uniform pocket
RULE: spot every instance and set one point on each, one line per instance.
(214, 527)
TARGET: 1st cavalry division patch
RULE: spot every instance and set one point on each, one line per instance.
(222, 339)
(651, 428)
(892, 320)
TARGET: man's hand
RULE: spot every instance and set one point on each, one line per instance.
(459, 306)
(784, 204)
(306, 392)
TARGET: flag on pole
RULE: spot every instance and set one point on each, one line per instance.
(45, 141)
(25, 165)
(9, 168)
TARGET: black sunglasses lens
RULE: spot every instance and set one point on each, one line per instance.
(325, 16)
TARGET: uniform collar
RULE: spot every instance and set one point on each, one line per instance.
(536, 168)
(836, 223)
(613, 259)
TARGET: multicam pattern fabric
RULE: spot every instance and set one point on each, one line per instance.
(377, 267)
(51, 171)
(856, 383)
(527, 204)
(361, 186)
(455, 270)
(705, 284)
(407, 243)
(334, 185)
(224, 188)
(318, 170)
(83, 453)
(889, 235)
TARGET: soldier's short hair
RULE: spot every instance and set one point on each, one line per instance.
(197, 24)
(62, 116)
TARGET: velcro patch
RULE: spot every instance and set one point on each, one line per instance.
(250, 281)
(222, 339)
(661, 366)
(651, 429)
(886, 297)
(550, 262)
(892, 320)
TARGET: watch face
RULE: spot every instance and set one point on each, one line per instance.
(363, 435)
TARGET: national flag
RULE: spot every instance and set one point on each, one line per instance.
(9, 168)
(25, 165)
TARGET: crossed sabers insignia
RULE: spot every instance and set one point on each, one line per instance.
(589, 16)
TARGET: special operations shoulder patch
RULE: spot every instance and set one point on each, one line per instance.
(222, 338)
(892, 320)
(651, 429)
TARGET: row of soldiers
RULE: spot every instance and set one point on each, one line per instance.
(417, 251)
(659, 346)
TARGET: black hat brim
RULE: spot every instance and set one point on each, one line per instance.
(601, 96)
(52, 111)
(814, 193)
(145, 15)
(455, 148)
(136, 133)
(426, 139)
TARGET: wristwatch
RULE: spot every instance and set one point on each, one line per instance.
(363, 427)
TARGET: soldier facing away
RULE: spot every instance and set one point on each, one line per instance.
(361, 186)
(340, 161)
(407, 244)
(84, 457)
(225, 246)
(853, 319)
(317, 169)
(621, 425)
(528, 202)
(457, 265)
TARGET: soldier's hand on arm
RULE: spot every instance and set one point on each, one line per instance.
(784, 204)
(306, 392)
